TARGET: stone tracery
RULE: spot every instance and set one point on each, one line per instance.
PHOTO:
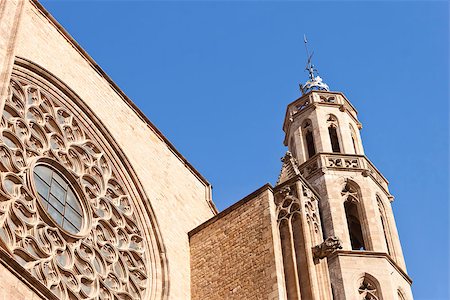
(368, 289)
(109, 259)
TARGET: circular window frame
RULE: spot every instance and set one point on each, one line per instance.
(72, 184)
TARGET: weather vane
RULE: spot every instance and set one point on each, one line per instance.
(314, 82)
(309, 66)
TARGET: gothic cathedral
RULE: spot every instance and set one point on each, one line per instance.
(96, 203)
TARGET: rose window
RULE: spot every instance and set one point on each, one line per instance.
(72, 213)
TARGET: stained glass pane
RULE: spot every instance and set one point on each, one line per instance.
(41, 186)
(55, 214)
(44, 173)
(73, 201)
(73, 217)
(44, 200)
(70, 228)
(56, 204)
(58, 192)
(60, 180)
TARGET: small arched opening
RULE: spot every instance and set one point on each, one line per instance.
(351, 207)
(333, 133)
(354, 139)
(309, 138)
(385, 226)
(368, 288)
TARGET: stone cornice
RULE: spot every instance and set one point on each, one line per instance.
(356, 253)
(323, 161)
(266, 187)
(314, 99)
(295, 179)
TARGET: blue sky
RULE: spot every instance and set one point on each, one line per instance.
(215, 77)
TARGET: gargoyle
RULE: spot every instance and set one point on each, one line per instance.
(328, 246)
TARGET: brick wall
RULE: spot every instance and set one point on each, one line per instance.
(233, 254)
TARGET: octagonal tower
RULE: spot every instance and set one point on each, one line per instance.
(322, 133)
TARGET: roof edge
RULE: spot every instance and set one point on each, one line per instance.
(117, 89)
(231, 208)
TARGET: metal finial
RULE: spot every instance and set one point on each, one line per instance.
(309, 66)
(314, 82)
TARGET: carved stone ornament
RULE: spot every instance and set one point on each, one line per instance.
(314, 84)
(287, 203)
(328, 246)
(112, 256)
(349, 193)
(341, 162)
(367, 290)
(328, 99)
(289, 168)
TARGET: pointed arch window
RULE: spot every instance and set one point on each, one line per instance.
(309, 138)
(295, 266)
(354, 226)
(354, 139)
(385, 226)
(351, 207)
(333, 133)
(400, 295)
(293, 147)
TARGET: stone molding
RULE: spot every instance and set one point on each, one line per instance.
(9, 29)
(233, 207)
(321, 162)
(289, 169)
(313, 99)
(373, 254)
(23, 275)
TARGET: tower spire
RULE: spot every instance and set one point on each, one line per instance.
(314, 82)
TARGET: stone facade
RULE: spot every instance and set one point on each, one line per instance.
(325, 231)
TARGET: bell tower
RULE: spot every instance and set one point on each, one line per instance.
(322, 132)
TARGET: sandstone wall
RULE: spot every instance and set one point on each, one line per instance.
(14, 288)
(346, 269)
(233, 255)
